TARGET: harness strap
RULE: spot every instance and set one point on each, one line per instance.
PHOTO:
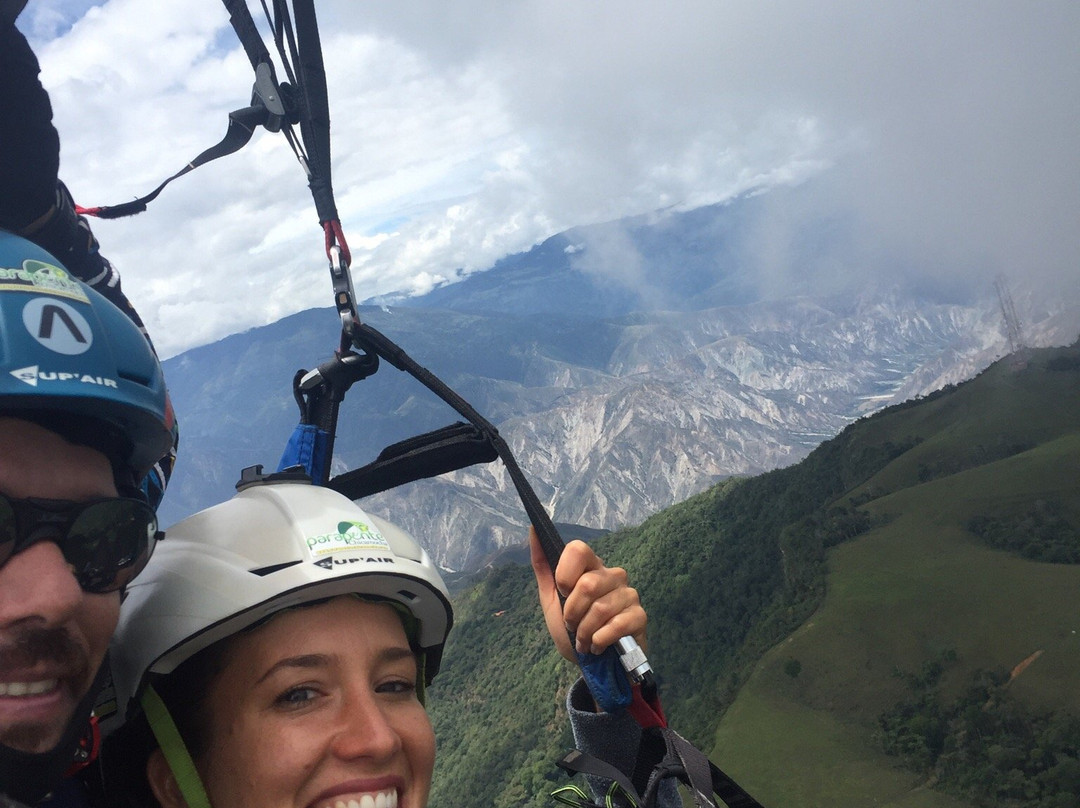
(728, 790)
(176, 753)
(88, 749)
(664, 753)
(576, 762)
(373, 340)
(696, 766)
(645, 707)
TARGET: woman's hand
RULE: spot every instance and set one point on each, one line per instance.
(600, 605)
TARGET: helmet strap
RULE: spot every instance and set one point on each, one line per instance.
(412, 632)
(173, 748)
(421, 677)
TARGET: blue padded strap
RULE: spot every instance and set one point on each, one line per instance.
(607, 680)
(307, 448)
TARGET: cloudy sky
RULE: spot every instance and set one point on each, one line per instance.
(465, 131)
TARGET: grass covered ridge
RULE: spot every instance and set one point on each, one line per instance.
(922, 587)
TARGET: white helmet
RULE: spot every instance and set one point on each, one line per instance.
(279, 542)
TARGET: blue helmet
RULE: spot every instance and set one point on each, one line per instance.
(71, 360)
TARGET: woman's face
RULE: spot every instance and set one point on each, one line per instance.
(318, 709)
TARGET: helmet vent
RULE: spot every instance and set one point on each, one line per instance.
(141, 379)
(408, 596)
(262, 571)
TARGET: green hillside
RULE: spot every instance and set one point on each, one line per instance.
(840, 632)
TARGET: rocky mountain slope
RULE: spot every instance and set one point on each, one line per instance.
(619, 398)
(684, 401)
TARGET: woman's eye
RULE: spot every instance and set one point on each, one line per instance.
(296, 697)
(397, 686)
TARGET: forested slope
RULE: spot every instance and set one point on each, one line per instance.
(898, 575)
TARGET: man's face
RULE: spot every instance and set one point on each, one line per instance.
(53, 635)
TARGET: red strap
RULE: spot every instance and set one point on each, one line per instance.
(334, 235)
(89, 747)
(647, 711)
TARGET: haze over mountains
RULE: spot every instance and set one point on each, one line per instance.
(629, 366)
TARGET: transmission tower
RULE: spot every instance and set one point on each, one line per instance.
(1013, 332)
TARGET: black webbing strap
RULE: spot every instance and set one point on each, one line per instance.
(242, 124)
(314, 105)
(246, 32)
(368, 338)
(274, 106)
(664, 753)
(576, 762)
(448, 449)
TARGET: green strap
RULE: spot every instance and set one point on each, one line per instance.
(572, 795)
(172, 746)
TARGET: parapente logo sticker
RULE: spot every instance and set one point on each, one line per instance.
(41, 278)
(350, 535)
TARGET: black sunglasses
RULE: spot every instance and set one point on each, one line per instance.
(107, 542)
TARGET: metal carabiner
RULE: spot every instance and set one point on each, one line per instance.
(344, 295)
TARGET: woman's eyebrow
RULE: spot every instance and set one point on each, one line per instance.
(395, 652)
(307, 661)
(304, 661)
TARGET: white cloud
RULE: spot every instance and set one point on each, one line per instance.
(466, 131)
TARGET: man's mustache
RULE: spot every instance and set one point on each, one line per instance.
(30, 646)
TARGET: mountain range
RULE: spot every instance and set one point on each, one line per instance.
(629, 365)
